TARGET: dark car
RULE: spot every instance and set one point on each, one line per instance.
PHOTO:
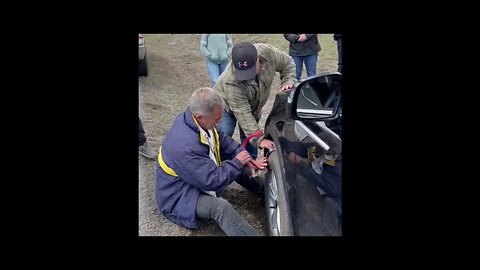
(303, 191)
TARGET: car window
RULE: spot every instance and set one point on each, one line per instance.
(318, 96)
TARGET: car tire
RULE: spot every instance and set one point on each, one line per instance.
(277, 225)
(142, 67)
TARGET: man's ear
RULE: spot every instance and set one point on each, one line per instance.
(198, 117)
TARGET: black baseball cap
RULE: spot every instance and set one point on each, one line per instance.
(244, 59)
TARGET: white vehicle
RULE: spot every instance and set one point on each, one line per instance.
(142, 56)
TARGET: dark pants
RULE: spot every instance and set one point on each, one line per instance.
(248, 183)
(220, 210)
(141, 133)
(228, 126)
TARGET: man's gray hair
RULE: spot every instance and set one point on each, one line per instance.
(204, 100)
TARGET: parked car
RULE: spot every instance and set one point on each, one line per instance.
(142, 56)
(303, 186)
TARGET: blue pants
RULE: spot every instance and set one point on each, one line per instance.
(228, 126)
(215, 70)
(310, 65)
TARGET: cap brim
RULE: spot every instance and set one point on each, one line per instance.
(243, 75)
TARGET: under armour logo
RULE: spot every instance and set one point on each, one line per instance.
(240, 64)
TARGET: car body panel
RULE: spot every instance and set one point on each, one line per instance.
(314, 193)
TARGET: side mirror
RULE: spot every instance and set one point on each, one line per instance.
(316, 98)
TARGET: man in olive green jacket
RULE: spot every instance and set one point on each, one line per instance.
(245, 85)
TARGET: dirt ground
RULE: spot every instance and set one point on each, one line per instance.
(176, 69)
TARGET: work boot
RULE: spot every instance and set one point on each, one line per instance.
(147, 151)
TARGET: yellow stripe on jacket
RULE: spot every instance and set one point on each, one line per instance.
(203, 140)
(164, 166)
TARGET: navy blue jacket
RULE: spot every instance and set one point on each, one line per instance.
(185, 152)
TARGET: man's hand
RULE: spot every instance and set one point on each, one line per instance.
(302, 38)
(265, 143)
(244, 157)
(286, 87)
(260, 164)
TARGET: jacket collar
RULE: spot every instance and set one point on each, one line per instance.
(193, 124)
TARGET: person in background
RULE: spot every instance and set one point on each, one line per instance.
(143, 147)
(338, 39)
(216, 48)
(304, 48)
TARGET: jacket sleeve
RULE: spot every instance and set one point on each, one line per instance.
(229, 45)
(200, 171)
(203, 46)
(285, 65)
(309, 36)
(291, 37)
(238, 101)
(229, 148)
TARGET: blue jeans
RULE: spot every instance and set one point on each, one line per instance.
(215, 70)
(228, 126)
(310, 65)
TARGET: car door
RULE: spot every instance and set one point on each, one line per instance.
(317, 187)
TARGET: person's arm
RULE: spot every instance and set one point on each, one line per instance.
(291, 37)
(229, 148)
(229, 45)
(285, 65)
(238, 101)
(203, 46)
(200, 171)
(309, 36)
